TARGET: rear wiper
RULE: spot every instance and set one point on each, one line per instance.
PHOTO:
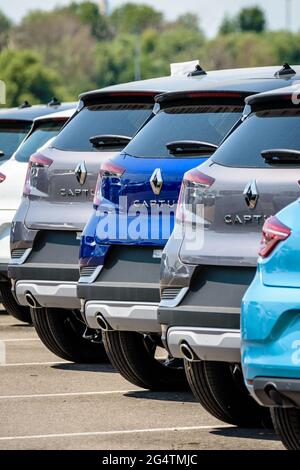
(110, 140)
(2, 154)
(191, 147)
(281, 156)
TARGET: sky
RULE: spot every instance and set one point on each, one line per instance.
(210, 12)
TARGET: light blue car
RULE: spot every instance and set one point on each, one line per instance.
(271, 325)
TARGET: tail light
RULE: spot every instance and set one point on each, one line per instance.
(36, 161)
(274, 232)
(107, 170)
(2, 177)
(193, 185)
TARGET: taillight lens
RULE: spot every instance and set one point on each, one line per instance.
(193, 185)
(36, 161)
(108, 170)
(274, 232)
(2, 177)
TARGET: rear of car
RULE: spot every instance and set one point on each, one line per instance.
(271, 322)
(57, 202)
(251, 177)
(119, 283)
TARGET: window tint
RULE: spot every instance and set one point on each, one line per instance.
(11, 135)
(37, 138)
(263, 130)
(119, 119)
(204, 123)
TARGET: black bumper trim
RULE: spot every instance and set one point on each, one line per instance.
(119, 292)
(3, 272)
(178, 316)
(44, 272)
(272, 391)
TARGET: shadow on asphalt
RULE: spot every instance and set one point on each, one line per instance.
(246, 433)
(162, 396)
(85, 367)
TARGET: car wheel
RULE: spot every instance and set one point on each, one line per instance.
(9, 303)
(133, 355)
(287, 425)
(220, 389)
(65, 334)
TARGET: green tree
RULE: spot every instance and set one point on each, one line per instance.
(26, 78)
(252, 19)
(132, 18)
(89, 13)
(189, 21)
(229, 25)
(5, 26)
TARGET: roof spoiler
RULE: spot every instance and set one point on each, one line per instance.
(187, 69)
(205, 95)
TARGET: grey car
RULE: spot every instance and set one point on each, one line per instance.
(56, 205)
(253, 175)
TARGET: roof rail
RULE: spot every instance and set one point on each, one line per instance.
(286, 70)
(54, 102)
(198, 71)
(25, 104)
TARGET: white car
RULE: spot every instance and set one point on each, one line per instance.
(12, 177)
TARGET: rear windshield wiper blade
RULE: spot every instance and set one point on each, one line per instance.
(281, 156)
(110, 140)
(191, 147)
(2, 154)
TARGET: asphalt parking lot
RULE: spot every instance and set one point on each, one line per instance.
(46, 403)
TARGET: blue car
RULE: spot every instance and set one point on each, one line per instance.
(271, 325)
(134, 211)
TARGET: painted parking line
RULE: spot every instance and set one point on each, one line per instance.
(15, 340)
(113, 433)
(50, 363)
(66, 394)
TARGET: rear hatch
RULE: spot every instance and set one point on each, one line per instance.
(61, 180)
(139, 188)
(252, 176)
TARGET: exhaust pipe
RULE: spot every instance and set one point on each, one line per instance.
(188, 353)
(32, 302)
(277, 397)
(104, 326)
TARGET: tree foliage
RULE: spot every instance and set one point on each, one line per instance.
(247, 20)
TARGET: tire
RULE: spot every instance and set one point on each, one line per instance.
(132, 354)
(9, 303)
(287, 425)
(220, 389)
(61, 331)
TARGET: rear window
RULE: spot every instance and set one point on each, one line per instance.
(262, 130)
(204, 123)
(118, 119)
(37, 138)
(11, 135)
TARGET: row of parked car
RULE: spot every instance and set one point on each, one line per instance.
(167, 234)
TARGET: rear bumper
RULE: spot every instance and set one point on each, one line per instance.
(3, 272)
(274, 391)
(6, 217)
(206, 344)
(50, 294)
(123, 316)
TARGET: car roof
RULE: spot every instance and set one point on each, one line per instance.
(256, 79)
(271, 95)
(66, 114)
(32, 112)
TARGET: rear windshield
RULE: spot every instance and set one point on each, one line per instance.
(203, 123)
(11, 135)
(38, 137)
(262, 130)
(117, 119)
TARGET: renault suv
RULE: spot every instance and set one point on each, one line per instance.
(12, 177)
(135, 203)
(248, 179)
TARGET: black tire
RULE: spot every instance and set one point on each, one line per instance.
(220, 389)
(287, 425)
(132, 355)
(9, 303)
(62, 331)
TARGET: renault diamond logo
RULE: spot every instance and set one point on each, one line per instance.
(81, 173)
(251, 194)
(156, 181)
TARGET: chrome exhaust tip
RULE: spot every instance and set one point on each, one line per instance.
(32, 302)
(103, 325)
(188, 353)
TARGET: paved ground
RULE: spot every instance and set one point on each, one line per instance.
(46, 403)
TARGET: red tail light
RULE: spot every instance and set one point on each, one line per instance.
(36, 160)
(192, 179)
(2, 177)
(274, 232)
(107, 170)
